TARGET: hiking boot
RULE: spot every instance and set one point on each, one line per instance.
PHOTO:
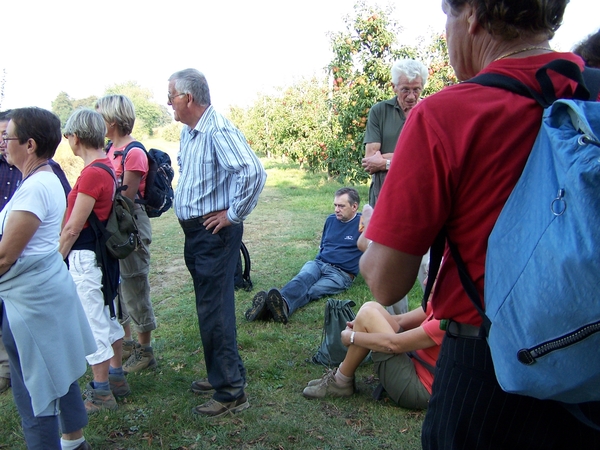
(201, 386)
(84, 446)
(4, 384)
(328, 387)
(213, 408)
(142, 358)
(118, 385)
(128, 347)
(259, 310)
(314, 382)
(277, 306)
(97, 400)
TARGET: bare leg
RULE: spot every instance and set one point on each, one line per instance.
(116, 360)
(372, 318)
(127, 329)
(73, 436)
(144, 337)
(100, 371)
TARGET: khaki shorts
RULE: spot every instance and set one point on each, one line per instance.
(136, 305)
(399, 378)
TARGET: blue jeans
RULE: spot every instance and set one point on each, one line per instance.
(211, 260)
(42, 432)
(315, 280)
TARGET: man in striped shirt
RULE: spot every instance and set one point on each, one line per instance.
(220, 179)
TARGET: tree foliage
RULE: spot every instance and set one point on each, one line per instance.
(62, 106)
(295, 124)
(360, 73)
(149, 114)
(321, 122)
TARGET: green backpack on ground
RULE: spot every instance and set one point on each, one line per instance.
(331, 351)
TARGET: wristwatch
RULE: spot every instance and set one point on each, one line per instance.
(388, 163)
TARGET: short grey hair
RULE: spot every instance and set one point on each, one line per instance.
(117, 109)
(88, 126)
(193, 82)
(352, 194)
(411, 69)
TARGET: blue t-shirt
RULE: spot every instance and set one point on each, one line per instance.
(338, 244)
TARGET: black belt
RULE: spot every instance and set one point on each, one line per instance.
(463, 330)
(191, 223)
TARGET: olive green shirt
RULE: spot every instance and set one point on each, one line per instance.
(384, 124)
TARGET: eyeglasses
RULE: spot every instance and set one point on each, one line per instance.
(172, 97)
(415, 91)
(5, 138)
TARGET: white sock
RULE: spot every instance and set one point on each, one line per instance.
(71, 445)
(342, 379)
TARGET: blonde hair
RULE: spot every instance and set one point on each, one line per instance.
(117, 109)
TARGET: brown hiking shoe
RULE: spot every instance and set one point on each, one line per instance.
(118, 385)
(258, 310)
(328, 387)
(277, 306)
(142, 358)
(128, 348)
(201, 386)
(97, 400)
(213, 408)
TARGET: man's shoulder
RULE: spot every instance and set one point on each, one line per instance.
(385, 104)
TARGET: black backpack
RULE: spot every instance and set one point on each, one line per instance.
(242, 273)
(158, 196)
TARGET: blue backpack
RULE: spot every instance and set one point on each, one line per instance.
(542, 272)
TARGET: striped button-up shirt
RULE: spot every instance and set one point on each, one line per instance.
(217, 170)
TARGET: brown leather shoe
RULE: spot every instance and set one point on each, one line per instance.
(213, 408)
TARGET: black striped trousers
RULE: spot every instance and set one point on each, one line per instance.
(468, 409)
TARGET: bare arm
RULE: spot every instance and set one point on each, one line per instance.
(371, 148)
(365, 218)
(81, 211)
(407, 341)
(390, 274)
(18, 231)
(376, 162)
(410, 320)
(132, 180)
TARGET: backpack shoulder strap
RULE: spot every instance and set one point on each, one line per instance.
(123, 155)
(547, 95)
(425, 364)
(435, 257)
(133, 144)
(105, 167)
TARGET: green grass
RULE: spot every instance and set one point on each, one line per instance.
(281, 234)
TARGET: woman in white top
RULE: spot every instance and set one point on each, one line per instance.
(44, 327)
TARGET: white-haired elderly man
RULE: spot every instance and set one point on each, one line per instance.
(387, 118)
(385, 122)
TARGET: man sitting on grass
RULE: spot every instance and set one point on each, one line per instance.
(331, 272)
